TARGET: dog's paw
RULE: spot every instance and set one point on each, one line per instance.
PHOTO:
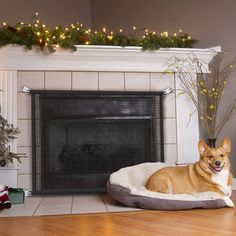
(228, 201)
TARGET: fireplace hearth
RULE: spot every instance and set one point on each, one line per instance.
(81, 137)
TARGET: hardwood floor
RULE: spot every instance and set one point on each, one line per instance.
(214, 222)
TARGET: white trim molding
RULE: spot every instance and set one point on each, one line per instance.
(8, 79)
(97, 58)
(187, 129)
(234, 184)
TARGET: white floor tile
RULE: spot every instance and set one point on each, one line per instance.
(58, 205)
(53, 210)
(114, 206)
(54, 205)
(56, 201)
(26, 209)
(88, 204)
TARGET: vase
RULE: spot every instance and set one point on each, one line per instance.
(211, 142)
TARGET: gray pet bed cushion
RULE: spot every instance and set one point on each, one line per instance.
(128, 187)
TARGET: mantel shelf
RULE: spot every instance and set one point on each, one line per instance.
(97, 58)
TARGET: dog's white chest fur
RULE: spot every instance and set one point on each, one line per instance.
(222, 179)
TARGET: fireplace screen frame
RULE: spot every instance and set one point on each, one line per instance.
(36, 127)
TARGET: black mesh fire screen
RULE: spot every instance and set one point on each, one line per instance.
(79, 137)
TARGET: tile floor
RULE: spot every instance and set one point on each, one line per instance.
(66, 204)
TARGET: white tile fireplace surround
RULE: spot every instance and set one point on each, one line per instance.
(96, 68)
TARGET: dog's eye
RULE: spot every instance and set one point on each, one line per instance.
(221, 155)
(211, 156)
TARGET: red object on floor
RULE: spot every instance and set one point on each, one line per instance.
(4, 198)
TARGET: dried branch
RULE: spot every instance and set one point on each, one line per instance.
(206, 89)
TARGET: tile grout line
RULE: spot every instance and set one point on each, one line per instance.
(71, 80)
(124, 81)
(72, 202)
(104, 203)
(37, 207)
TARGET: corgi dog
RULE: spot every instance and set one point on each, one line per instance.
(210, 173)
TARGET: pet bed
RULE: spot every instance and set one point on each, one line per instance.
(128, 187)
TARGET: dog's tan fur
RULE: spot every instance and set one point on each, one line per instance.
(198, 177)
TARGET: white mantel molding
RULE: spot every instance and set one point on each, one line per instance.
(97, 58)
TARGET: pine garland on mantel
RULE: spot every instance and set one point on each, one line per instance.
(38, 34)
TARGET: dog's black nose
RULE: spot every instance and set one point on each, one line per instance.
(217, 163)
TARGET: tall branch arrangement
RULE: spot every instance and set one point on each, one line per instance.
(36, 33)
(206, 89)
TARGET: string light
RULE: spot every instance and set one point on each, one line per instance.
(52, 36)
(166, 34)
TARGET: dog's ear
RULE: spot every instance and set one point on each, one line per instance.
(226, 144)
(202, 146)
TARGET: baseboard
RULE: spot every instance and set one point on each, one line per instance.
(234, 184)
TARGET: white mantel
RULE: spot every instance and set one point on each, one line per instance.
(97, 58)
(104, 59)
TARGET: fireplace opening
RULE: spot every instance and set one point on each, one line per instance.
(81, 137)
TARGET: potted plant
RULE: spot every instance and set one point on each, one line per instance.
(206, 89)
(7, 133)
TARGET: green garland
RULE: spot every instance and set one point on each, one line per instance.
(37, 34)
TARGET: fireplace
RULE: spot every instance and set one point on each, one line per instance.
(80, 137)
(95, 68)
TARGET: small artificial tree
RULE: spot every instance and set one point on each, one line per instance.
(7, 133)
